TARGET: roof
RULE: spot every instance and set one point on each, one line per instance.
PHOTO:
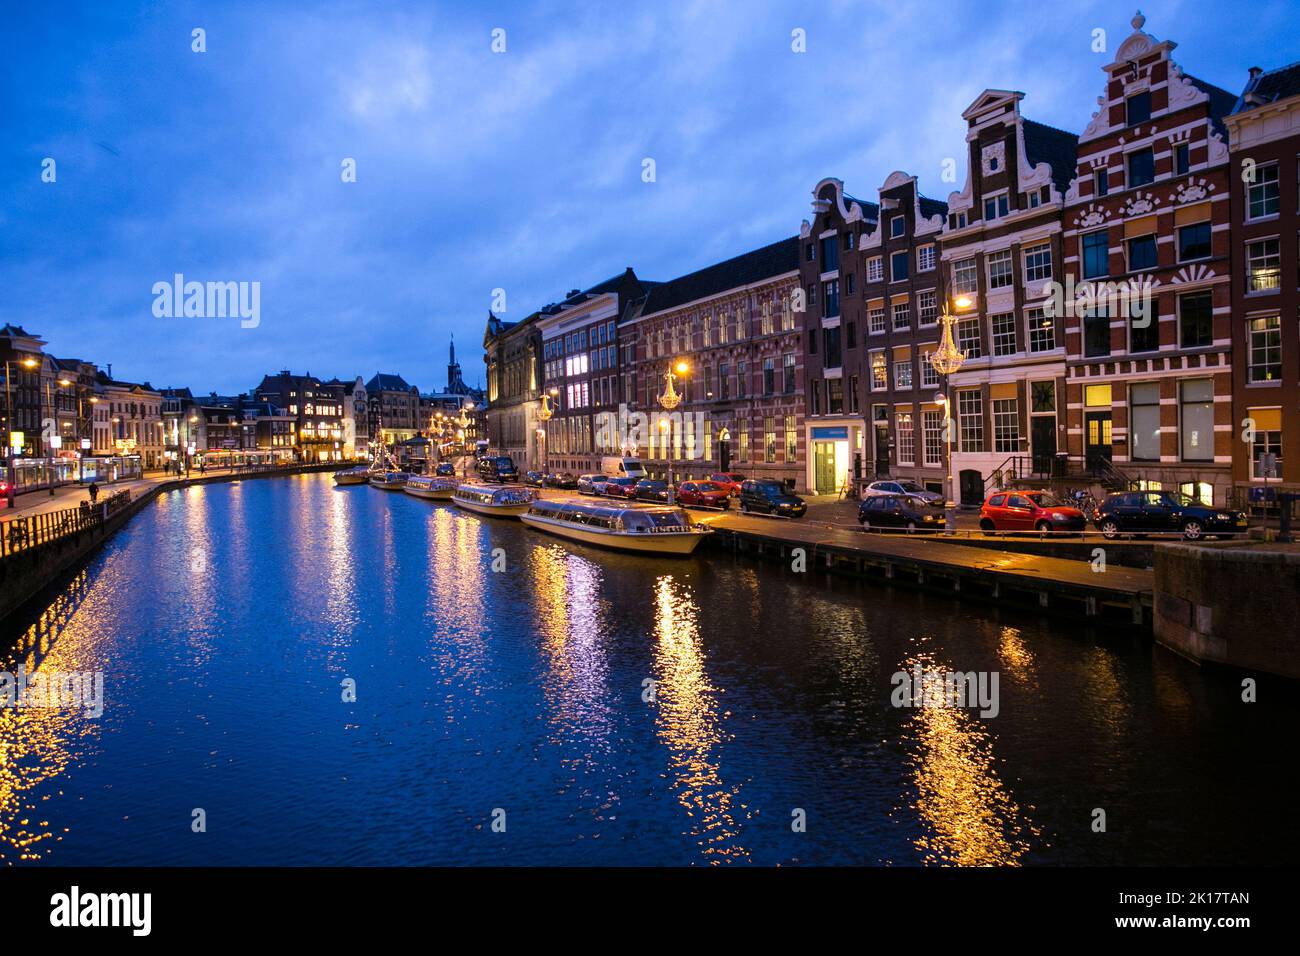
(1056, 147)
(870, 210)
(932, 207)
(1270, 87)
(750, 267)
(383, 382)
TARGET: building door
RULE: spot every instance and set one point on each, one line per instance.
(882, 449)
(1096, 427)
(824, 467)
(1042, 443)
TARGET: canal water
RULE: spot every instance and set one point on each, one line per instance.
(597, 708)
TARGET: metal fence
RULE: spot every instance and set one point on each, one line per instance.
(25, 533)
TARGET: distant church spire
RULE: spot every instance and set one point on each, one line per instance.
(455, 384)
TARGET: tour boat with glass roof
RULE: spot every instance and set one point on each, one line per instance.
(359, 475)
(430, 486)
(646, 530)
(500, 501)
(389, 480)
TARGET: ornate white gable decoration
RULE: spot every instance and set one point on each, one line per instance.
(993, 159)
(1194, 190)
(1140, 203)
(1091, 216)
(1191, 274)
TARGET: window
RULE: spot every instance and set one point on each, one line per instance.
(834, 396)
(1266, 449)
(1144, 326)
(898, 265)
(905, 437)
(724, 381)
(1262, 193)
(1096, 254)
(787, 318)
(1141, 168)
(1137, 108)
(929, 374)
(1144, 416)
(995, 207)
(1042, 333)
(903, 375)
(1038, 263)
(902, 316)
(999, 265)
(1004, 333)
(875, 269)
(1263, 266)
(925, 258)
(1182, 159)
(879, 372)
(848, 283)
(765, 325)
(815, 390)
(1265, 334)
(1101, 182)
(1195, 320)
(1006, 425)
(791, 439)
(769, 439)
(897, 226)
(832, 357)
(969, 340)
(809, 253)
(970, 420)
(1141, 253)
(848, 242)
(812, 294)
(927, 307)
(932, 437)
(1196, 419)
(742, 378)
(831, 303)
(1096, 331)
(853, 394)
(1042, 397)
(1194, 241)
(851, 335)
(876, 320)
(769, 376)
(787, 372)
(830, 254)
(965, 277)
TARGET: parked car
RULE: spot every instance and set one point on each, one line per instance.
(560, 479)
(446, 469)
(592, 484)
(620, 487)
(769, 496)
(730, 480)
(703, 494)
(1154, 512)
(899, 513)
(651, 489)
(904, 487)
(534, 478)
(499, 468)
(1030, 511)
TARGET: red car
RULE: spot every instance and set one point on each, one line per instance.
(703, 494)
(620, 488)
(1029, 511)
(729, 481)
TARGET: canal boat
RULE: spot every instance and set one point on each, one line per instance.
(389, 480)
(644, 530)
(430, 486)
(359, 475)
(496, 500)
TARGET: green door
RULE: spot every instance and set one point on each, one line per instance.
(824, 467)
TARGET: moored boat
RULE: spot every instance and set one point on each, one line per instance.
(353, 476)
(430, 486)
(389, 480)
(498, 501)
(645, 530)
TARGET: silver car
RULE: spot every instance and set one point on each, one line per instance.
(903, 487)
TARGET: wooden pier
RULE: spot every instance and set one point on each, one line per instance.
(929, 561)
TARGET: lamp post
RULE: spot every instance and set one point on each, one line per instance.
(9, 430)
(669, 400)
(545, 414)
(948, 359)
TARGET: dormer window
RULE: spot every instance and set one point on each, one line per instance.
(993, 164)
(1101, 182)
(996, 207)
(896, 226)
(1137, 108)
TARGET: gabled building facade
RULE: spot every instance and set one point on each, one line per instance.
(512, 354)
(1001, 245)
(1149, 330)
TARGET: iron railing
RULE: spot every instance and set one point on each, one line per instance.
(31, 531)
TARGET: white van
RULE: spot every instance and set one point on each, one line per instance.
(622, 468)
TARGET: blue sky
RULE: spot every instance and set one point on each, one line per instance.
(478, 170)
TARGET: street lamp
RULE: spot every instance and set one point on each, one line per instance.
(9, 430)
(669, 400)
(946, 360)
(545, 414)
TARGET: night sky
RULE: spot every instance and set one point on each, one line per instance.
(477, 170)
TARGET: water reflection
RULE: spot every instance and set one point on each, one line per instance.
(690, 726)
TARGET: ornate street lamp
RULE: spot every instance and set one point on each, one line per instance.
(545, 414)
(669, 400)
(948, 359)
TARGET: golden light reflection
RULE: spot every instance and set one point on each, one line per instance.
(1015, 658)
(968, 816)
(690, 726)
